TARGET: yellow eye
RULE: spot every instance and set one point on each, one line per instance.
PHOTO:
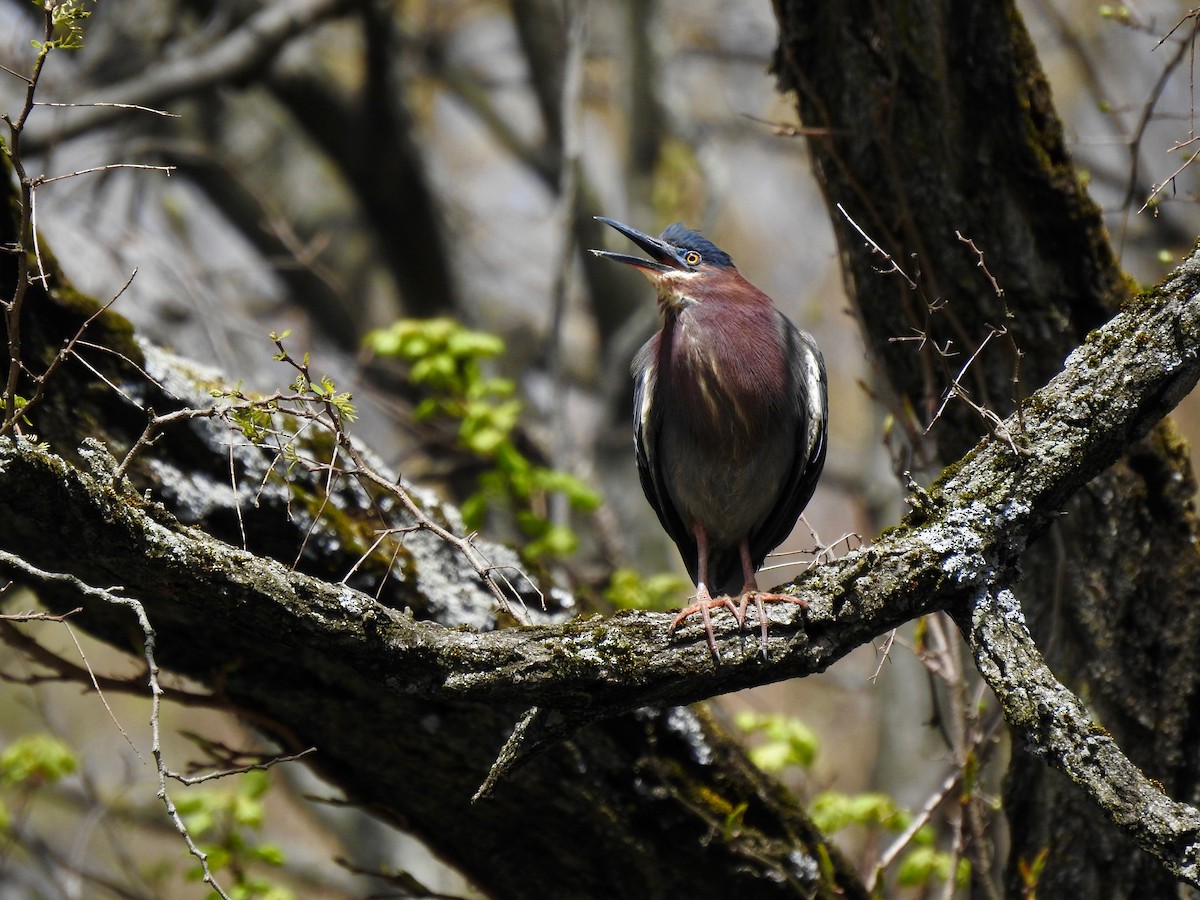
(692, 258)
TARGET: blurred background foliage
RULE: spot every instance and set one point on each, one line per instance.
(408, 188)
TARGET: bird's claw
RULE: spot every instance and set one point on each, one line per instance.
(704, 607)
(737, 610)
(759, 598)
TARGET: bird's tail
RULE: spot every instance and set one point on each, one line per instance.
(726, 574)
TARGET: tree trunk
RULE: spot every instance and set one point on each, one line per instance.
(934, 126)
(400, 679)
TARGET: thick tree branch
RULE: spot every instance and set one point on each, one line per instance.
(929, 118)
(961, 542)
(1058, 728)
(384, 695)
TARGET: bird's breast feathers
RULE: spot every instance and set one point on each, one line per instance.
(730, 369)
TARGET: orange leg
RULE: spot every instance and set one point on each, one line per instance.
(705, 602)
(751, 593)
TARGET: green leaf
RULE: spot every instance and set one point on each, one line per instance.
(36, 758)
(474, 344)
(495, 388)
(269, 854)
(924, 865)
(415, 346)
(627, 589)
(247, 812)
(427, 409)
(254, 784)
(200, 823)
(733, 822)
(580, 495)
(192, 804)
(482, 439)
(833, 810)
(444, 362)
(558, 540)
(789, 741)
(382, 342)
(515, 469)
(218, 857)
(436, 370)
(773, 757)
(474, 510)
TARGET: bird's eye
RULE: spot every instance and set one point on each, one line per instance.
(692, 258)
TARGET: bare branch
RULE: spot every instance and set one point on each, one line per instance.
(956, 553)
(893, 266)
(12, 307)
(1057, 727)
(254, 43)
(130, 106)
(91, 170)
(112, 596)
(240, 770)
(37, 616)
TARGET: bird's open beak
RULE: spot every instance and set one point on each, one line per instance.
(665, 257)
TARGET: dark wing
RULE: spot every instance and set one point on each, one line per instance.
(810, 408)
(647, 426)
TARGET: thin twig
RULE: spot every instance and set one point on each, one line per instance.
(189, 780)
(43, 180)
(12, 308)
(37, 616)
(363, 470)
(949, 784)
(68, 351)
(96, 684)
(885, 653)
(875, 248)
(955, 388)
(112, 596)
(1135, 140)
(130, 106)
(1017, 353)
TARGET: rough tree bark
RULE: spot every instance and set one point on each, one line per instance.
(631, 796)
(650, 803)
(936, 121)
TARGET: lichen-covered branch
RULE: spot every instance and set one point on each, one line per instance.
(963, 538)
(932, 119)
(1057, 728)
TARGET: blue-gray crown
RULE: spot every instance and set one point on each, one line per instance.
(679, 235)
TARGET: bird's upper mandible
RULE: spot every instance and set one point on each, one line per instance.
(684, 267)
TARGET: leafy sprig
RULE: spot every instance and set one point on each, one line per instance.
(446, 362)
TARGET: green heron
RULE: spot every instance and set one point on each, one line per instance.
(730, 412)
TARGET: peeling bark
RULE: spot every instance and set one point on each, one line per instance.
(628, 794)
(655, 803)
(385, 695)
(935, 120)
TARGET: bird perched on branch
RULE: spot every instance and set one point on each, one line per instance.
(730, 414)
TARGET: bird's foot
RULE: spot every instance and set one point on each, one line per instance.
(753, 595)
(704, 605)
